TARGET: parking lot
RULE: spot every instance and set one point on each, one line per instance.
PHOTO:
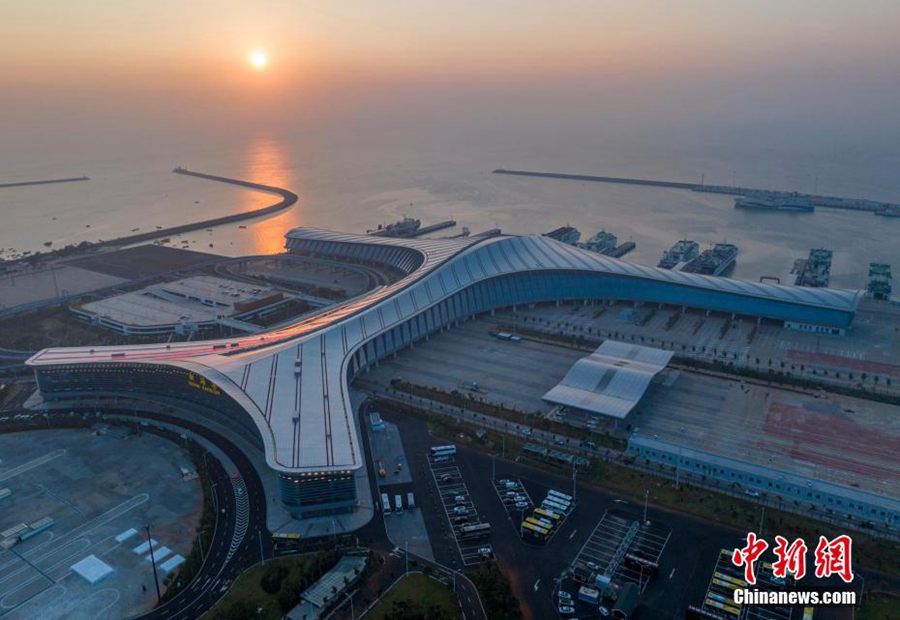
(727, 577)
(619, 550)
(469, 532)
(515, 499)
(95, 491)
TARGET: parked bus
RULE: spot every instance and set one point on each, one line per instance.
(410, 501)
(398, 503)
(562, 496)
(738, 582)
(554, 507)
(476, 530)
(558, 500)
(546, 525)
(535, 531)
(544, 522)
(385, 503)
(449, 450)
(547, 514)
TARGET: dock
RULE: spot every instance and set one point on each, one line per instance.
(814, 200)
(44, 182)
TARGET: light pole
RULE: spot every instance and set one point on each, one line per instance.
(574, 480)
(262, 557)
(153, 562)
(352, 612)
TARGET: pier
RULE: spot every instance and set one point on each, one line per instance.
(815, 200)
(44, 182)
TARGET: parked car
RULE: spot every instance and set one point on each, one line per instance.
(565, 595)
(566, 609)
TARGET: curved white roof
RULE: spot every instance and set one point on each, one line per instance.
(611, 380)
(292, 380)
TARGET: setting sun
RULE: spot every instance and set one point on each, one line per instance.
(259, 59)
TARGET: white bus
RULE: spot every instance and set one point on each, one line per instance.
(448, 450)
(398, 503)
(554, 506)
(385, 503)
(562, 496)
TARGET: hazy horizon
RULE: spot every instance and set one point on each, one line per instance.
(370, 110)
(826, 72)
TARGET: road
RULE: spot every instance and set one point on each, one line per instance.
(375, 536)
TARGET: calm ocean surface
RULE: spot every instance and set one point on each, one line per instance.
(350, 183)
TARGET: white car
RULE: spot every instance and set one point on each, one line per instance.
(521, 505)
(603, 611)
(566, 609)
(565, 595)
(592, 566)
(485, 550)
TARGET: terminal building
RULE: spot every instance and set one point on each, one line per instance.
(182, 306)
(795, 492)
(287, 390)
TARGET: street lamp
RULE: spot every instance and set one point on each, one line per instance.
(153, 562)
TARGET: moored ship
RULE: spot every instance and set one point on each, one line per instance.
(715, 260)
(683, 252)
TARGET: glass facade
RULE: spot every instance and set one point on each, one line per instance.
(318, 493)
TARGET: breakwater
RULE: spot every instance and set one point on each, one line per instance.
(817, 200)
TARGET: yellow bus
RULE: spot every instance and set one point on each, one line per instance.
(536, 531)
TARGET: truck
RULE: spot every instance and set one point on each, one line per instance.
(410, 501)
(589, 595)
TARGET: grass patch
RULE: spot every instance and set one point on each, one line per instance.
(273, 588)
(496, 595)
(417, 596)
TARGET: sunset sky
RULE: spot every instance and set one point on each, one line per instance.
(170, 57)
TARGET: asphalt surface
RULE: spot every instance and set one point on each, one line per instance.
(376, 538)
(240, 537)
(685, 567)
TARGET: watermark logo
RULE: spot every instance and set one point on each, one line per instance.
(831, 557)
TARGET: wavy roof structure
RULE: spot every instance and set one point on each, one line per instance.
(293, 381)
